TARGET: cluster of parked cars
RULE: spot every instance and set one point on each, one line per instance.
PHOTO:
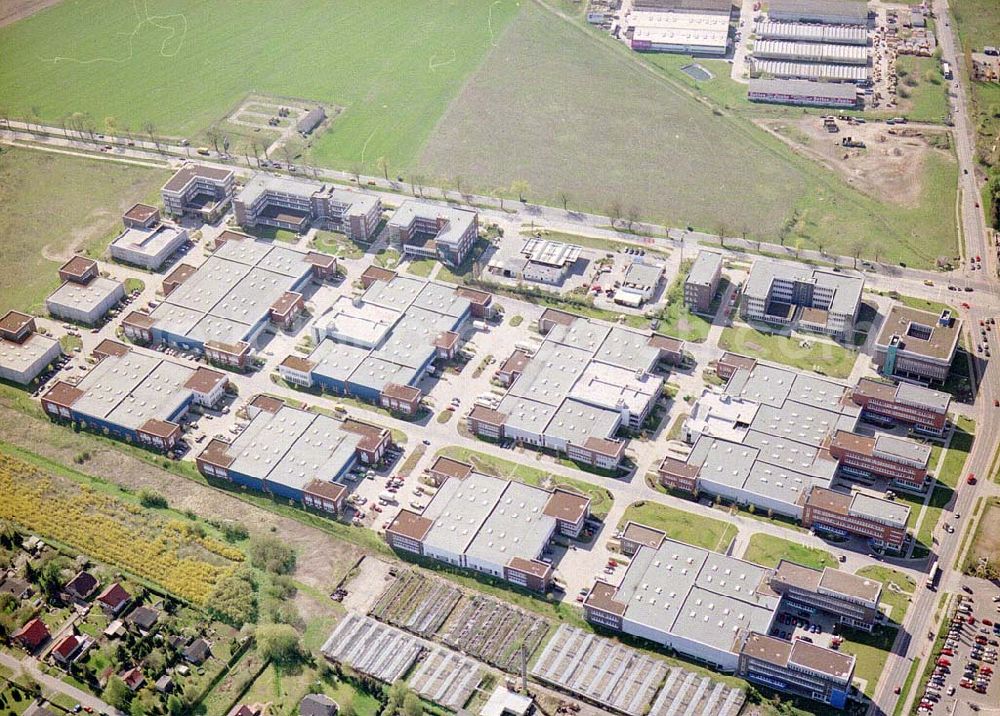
(793, 622)
(985, 328)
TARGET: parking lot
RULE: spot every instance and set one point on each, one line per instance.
(963, 677)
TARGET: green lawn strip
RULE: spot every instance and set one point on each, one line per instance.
(905, 689)
(676, 319)
(871, 651)
(939, 498)
(681, 525)
(958, 451)
(31, 184)
(896, 591)
(767, 550)
(821, 356)
(600, 497)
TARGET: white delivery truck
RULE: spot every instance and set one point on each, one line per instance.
(387, 497)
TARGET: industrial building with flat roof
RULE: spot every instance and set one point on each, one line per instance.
(24, 354)
(706, 605)
(431, 231)
(223, 306)
(925, 409)
(378, 347)
(640, 283)
(199, 190)
(296, 204)
(917, 345)
(294, 454)
(585, 382)
(702, 281)
(722, 7)
(84, 296)
(773, 435)
(811, 299)
(827, 12)
(820, 52)
(135, 396)
(683, 32)
(803, 92)
(147, 245)
(493, 526)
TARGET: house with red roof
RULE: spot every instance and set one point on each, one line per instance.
(133, 678)
(71, 648)
(114, 599)
(32, 635)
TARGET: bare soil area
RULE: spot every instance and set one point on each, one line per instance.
(890, 167)
(323, 560)
(366, 584)
(13, 10)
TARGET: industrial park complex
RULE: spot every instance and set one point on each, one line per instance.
(318, 369)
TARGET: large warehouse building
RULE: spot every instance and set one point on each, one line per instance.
(295, 454)
(803, 92)
(821, 52)
(135, 396)
(490, 525)
(826, 12)
(804, 32)
(584, 383)
(296, 204)
(681, 32)
(706, 605)
(84, 296)
(220, 308)
(816, 71)
(379, 346)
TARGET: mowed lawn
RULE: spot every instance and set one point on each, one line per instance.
(681, 525)
(767, 550)
(820, 355)
(392, 65)
(51, 204)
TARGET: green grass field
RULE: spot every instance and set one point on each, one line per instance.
(922, 80)
(681, 525)
(821, 355)
(392, 66)
(767, 550)
(896, 591)
(958, 450)
(978, 24)
(51, 204)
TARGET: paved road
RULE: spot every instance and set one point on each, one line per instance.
(29, 666)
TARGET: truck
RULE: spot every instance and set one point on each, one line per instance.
(387, 498)
(946, 71)
(203, 151)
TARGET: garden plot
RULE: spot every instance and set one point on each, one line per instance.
(686, 693)
(372, 648)
(446, 678)
(494, 632)
(416, 603)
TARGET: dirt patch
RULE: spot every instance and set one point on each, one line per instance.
(890, 166)
(323, 560)
(366, 584)
(13, 10)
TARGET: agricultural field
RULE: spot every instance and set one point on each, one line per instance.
(767, 550)
(183, 65)
(821, 356)
(681, 525)
(152, 546)
(90, 195)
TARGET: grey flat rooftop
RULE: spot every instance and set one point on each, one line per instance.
(411, 341)
(21, 356)
(516, 527)
(149, 242)
(857, 10)
(246, 252)
(804, 88)
(133, 388)
(366, 324)
(627, 349)
(575, 422)
(526, 414)
(397, 294)
(847, 287)
(642, 275)
(903, 448)
(376, 373)
(896, 513)
(442, 299)
(551, 374)
(337, 360)
(700, 595)
(209, 284)
(798, 423)
(84, 297)
(919, 395)
(581, 334)
(459, 509)
(611, 386)
(706, 263)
